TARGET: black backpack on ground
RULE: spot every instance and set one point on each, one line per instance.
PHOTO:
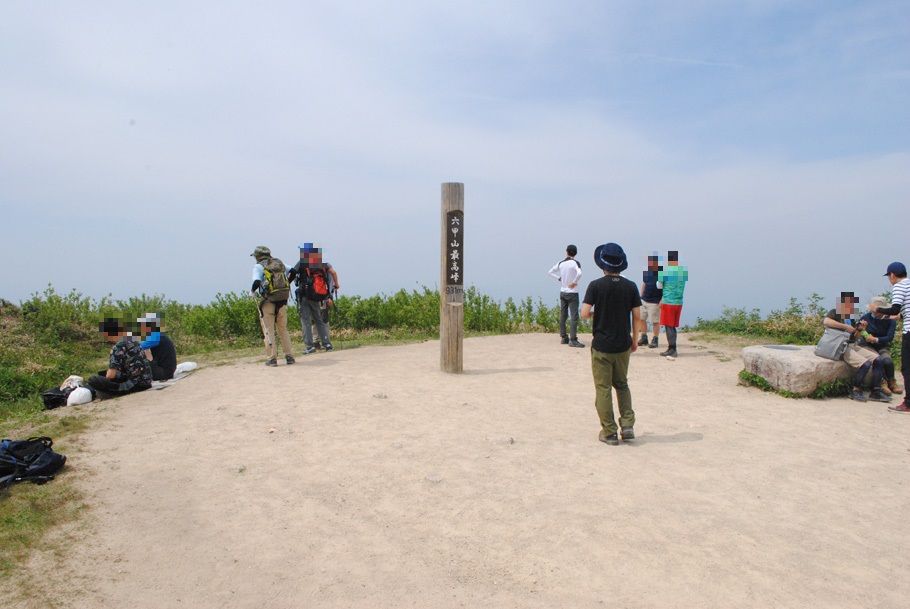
(30, 460)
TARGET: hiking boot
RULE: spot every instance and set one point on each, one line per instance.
(877, 395)
(858, 395)
(895, 387)
(902, 407)
(627, 434)
(643, 341)
(309, 350)
(575, 343)
(564, 341)
(317, 344)
(671, 352)
(271, 362)
(611, 439)
(329, 347)
(885, 389)
(653, 343)
(289, 359)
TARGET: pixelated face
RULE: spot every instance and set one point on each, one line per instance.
(654, 263)
(846, 304)
(673, 257)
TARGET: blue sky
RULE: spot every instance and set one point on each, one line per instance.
(149, 147)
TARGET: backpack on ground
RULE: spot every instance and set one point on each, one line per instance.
(276, 287)
(31, 460)
(317, 284)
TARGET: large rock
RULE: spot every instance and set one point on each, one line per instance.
(791, 368)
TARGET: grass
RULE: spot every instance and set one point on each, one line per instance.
(755, 380)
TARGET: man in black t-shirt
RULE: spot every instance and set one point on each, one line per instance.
(616, 308)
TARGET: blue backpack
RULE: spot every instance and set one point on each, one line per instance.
(30, 460)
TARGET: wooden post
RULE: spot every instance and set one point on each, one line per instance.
(451, 283)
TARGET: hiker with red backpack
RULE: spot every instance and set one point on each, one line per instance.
(316, 282)
(271, 285)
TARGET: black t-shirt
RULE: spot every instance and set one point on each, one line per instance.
(165, 355)
(613, 298)
(652, 293)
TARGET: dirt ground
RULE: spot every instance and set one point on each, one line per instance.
(367, 478)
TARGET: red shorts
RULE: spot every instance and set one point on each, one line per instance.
(669, 315)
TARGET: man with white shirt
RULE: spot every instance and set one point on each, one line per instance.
(568, 273)
(900, 303)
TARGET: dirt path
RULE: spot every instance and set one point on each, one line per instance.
(366, 478)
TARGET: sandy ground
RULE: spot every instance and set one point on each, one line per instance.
(367, 478)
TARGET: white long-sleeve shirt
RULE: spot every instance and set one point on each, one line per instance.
(567, 272)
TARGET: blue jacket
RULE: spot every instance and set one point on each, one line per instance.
(882, 329)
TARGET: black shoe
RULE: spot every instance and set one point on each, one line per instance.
(671, 352)
(271, 362)
(877, 395)
(575, 343)
(611, 439)
(627, 434)
(289, 359)
(653, 343)
(565, 340)
(858, 395)
(329, 347)
(643, 340)
(317, 344)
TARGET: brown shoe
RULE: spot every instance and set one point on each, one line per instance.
(895, 387)
(902, 407)
(885, 389)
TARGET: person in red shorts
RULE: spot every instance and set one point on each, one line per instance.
(672, 280)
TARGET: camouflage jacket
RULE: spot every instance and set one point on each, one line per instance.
(129, 361)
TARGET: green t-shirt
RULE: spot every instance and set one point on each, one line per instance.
(674, 280)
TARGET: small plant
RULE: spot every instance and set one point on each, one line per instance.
(832, 389)
(756, 380)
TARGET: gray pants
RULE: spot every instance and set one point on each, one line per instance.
(568, 307)
(311, 311)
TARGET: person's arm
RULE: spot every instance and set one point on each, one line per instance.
(641, 290)
(831, 323)
(587, 308)
(894, 309)
(292, 274)
(636, 324)
(888, 338)
(554, 272)
(258, 278)
(334, 277)
(587, 311)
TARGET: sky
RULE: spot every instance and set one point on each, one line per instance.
(149, 147)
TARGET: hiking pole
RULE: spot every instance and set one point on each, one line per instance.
(265, 331)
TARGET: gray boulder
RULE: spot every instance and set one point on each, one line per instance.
(791, 368)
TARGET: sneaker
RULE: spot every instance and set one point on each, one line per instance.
(309, 350)
(671, 352)
(902, 407)
(877, 395)
(627, 434)
(564, 341)
(643, 341)
(289, 359)
(271, 362)
(858, 395)
(329, 347)
(653, 343)
(575, 343)
(611, 439)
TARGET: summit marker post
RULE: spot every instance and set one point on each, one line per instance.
(451, 283)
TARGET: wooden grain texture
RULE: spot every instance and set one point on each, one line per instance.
(451, 297)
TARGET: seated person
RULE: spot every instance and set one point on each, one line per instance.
(861, 359)
(881, 330)
(158, 347)
(128, 370)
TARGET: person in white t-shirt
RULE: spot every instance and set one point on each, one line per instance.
(900, 304)
(568, 273)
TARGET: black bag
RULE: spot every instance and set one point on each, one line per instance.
(56, 397)
(30, 460)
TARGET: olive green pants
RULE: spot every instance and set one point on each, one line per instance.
(610, 371)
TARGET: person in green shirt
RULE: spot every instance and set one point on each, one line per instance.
(672, 280)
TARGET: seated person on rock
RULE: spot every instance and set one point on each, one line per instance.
(881, 330)
(128, 369)
(158, 347)
(861, 359)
